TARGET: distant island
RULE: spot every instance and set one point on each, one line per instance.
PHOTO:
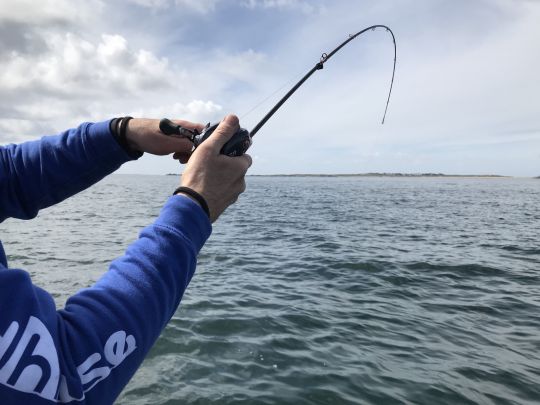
(375, 174)
(382, 175)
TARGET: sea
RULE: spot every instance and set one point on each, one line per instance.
(324, 290)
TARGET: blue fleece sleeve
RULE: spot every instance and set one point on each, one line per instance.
(88, 351)
(38, 174)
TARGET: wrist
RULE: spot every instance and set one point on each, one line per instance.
(192, 194)
(132, 134)
(122, 130)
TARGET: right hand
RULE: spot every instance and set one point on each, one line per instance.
(218, 178)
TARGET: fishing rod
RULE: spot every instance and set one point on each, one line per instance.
(242, 139)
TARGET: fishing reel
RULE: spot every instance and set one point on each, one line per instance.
(236, 146)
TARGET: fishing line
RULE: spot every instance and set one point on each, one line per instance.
(264, 100)
(241, 140)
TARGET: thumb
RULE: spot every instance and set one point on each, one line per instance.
(223, 132)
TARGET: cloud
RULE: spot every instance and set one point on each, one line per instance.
(196, 111)
(465, 81)
(20, 37)
(74, 79)
(45, 12)
(208, 6)
(151, 3)
(201, 6)
(198, 6)
(76, 66)
(17, 130)
(303, 6)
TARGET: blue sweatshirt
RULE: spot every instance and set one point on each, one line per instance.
(88, 351)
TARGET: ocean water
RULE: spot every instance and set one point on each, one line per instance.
(325, 290)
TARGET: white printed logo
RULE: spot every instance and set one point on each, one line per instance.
(31, 364)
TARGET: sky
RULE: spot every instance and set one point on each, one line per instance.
(465, 97)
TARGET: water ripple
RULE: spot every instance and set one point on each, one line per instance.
(398, 291)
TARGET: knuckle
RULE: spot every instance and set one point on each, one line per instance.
(204, 150)
(222, 130)
(228, 125)
(232, 119)
(248, 160)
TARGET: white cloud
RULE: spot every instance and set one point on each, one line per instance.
(151, 3)
(198, 6)
(244, 66)
(208, 6)
(465, 79)
(46, 11)
(201, 6)
(303, 6)
(75, 66)
(196, 111)
(16, 130)
(77, 80)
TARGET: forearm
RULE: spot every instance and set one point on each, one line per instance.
(90, 349)
(141, 291)
(149, 279)
(38, 174)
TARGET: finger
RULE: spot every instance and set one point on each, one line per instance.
(223, 133)
(172, 144)
(245, 160)
(190, 125)
(182, 157)
(178, 155)
(233, 199)
(240, 187)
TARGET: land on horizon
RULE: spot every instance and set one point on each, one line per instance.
(375, 174)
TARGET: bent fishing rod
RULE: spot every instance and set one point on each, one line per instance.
(242, 139)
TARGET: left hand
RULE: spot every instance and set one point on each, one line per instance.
(144, 135)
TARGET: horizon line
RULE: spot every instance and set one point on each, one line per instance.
(367, 174)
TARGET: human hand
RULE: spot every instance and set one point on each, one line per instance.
(144, 135)
(218, 178)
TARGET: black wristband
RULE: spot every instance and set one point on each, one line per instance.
(118, 128)
(192, 193)
(123, 128)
